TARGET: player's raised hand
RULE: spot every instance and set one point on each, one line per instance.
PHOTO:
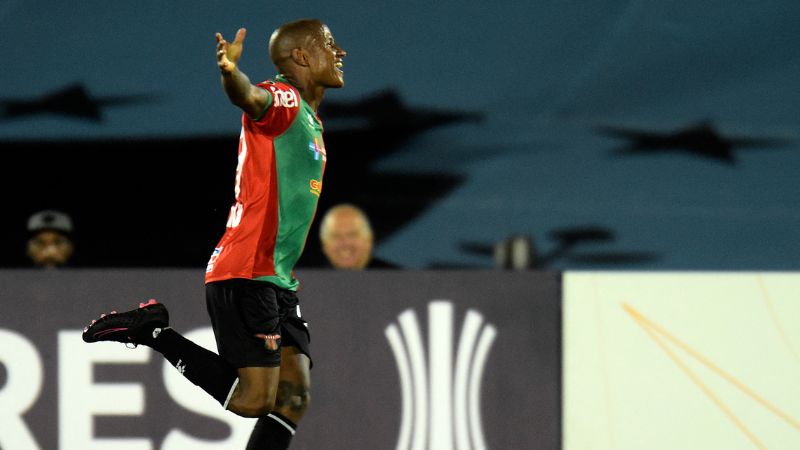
(228, 53)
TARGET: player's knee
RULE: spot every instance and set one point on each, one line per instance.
(292, 400)
(300, 402)
(252, 402)
(253, 407)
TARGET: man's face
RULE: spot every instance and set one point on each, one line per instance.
(326, 60)
(49, 249)
(347, 242)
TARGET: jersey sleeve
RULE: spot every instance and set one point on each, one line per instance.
(283, 105)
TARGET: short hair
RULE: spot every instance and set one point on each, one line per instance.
(289, 36)
(326, 219)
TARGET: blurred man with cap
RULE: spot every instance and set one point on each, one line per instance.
(50, 243)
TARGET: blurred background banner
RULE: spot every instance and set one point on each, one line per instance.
(401, 360)
(614, 134)
(681, 360)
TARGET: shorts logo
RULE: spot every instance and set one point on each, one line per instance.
(316, 187)
(272, 342)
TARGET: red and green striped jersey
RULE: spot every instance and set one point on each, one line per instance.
(278, 183)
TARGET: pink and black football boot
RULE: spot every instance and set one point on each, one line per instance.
(139, 326)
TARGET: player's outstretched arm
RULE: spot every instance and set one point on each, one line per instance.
(237, 86)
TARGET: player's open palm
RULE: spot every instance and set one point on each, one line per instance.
(228, 53)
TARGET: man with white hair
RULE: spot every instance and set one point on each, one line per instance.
(347, 239)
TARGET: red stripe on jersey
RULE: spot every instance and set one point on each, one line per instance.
(247, 248)
(265, 260)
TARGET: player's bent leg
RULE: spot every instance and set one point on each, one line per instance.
(149, 325)
(274, 431)
(294, 386)
(254, 395)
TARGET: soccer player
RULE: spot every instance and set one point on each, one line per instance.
(263, 366)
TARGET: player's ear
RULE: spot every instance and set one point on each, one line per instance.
(299, 57)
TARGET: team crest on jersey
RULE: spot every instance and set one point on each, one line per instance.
(317, 147)
(316, 187)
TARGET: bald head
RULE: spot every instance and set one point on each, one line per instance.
(346, 237)
(299, 34)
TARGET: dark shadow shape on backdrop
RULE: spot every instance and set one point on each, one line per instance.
(702, 139)
(73, 101)
(358, 135)
(164, 201)
(567, 240)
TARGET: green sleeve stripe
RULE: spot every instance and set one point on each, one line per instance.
(267, 104)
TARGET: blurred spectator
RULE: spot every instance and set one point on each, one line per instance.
(517, 252)
(50, 243)
(347, 239)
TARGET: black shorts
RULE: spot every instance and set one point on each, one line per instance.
(240, 309)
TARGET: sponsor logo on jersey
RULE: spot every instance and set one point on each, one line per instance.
(282, 98)
(317, 147)
(213, 259)
(316, 187)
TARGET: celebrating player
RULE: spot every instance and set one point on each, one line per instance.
(263, 366)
